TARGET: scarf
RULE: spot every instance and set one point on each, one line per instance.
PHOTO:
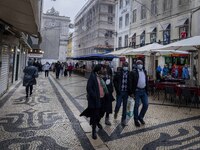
(103, 84)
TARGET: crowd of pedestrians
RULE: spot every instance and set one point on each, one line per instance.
(100, 87)
(63, 68)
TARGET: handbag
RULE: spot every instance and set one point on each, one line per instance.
(130, 106)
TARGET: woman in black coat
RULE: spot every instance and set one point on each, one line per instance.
(96, 91)
(30, 73)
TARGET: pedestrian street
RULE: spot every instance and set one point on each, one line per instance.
(49, 119)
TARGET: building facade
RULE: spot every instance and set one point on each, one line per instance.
(15, 40)
(54, 30)
(94, 28)
(161, 21)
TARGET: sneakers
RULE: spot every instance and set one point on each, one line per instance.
(124, 123)
(115, 116)
(137, 124)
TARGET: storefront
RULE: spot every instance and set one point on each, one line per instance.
(179, 60)
(4, 68)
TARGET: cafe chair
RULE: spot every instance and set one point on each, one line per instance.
(170, 93)
(195, 101)
(186, 95)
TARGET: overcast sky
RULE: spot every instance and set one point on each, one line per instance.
(67, 8)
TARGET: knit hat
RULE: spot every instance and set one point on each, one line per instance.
(139, 61)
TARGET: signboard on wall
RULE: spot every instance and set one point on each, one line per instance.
(34, 55)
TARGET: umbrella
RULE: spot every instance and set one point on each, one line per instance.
(192, 43)
(189, 44)
(168, 52)
(96, 57)
(144, 49)
(118, 52)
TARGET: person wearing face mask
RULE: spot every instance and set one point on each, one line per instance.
(96, 91)
(122, 88)
(108, 97)
(139, 87)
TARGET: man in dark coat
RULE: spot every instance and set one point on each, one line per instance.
(30, 73)
(139, 91)
(57, 69)
(122, 88)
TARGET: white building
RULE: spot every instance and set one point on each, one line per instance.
(94, 28)
(162, 21)
(54, 31)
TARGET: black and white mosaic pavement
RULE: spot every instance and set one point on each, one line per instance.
(49, 119)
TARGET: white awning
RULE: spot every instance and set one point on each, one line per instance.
(24, 15)
(181, 22)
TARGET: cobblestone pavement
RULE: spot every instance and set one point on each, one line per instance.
(49, 119)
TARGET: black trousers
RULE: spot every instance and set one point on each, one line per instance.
(29, 88)
(46, 73)
(97, 114)
(57, 74)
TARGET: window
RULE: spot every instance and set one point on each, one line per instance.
(120, 22)
(142, 39)
(133, 40)
(126, 19)
(120, 42)
(110, 20)
(109, 33)
(134, 15)
(153, 36)
(143, 12)
(121, 4)
(110, 9)
(183, 32)
(167, 4)
(126, 41)
(183, 2)
(166, 35)
(154, 7)
(127, 2)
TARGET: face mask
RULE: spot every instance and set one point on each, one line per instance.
(140, 66)
(107, 81)
(125, 68)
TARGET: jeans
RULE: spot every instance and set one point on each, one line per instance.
(140, 94)
(122, 97)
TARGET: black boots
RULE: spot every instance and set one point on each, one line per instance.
(94, 133)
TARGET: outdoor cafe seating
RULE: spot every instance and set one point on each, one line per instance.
(183, 93)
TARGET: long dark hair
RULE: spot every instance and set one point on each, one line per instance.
(97, 68)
